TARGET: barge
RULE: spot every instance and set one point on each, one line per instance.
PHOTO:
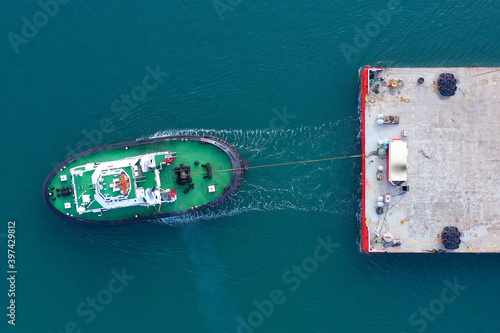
(429, 173)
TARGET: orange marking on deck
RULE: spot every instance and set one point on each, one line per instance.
(124, 184)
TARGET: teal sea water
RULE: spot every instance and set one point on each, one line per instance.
(279, 80)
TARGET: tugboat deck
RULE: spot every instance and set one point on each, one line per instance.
(113, 183)
(452, 161)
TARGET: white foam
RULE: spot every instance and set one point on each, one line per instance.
(297, 187)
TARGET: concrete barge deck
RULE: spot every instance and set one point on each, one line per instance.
(441, 154)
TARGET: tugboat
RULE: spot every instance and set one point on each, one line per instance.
(144, 180)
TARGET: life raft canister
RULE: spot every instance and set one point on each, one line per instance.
(387, 238)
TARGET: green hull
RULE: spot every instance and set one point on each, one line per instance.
(141, 180)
